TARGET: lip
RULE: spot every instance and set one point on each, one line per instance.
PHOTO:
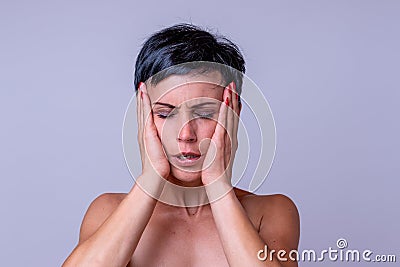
(188, 161)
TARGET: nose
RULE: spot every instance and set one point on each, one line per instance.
(187, 133)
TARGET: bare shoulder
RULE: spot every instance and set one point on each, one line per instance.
(98, 212)
(276, 218)
(268, 205)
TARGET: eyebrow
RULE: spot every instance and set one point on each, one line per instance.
(194, 106)
(164, 104)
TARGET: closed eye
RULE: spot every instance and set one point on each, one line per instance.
(164, 115)
(204, 115)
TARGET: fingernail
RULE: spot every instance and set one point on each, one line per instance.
(227, 101)
(140, 84)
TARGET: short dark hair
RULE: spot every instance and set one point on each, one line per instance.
(184, 43)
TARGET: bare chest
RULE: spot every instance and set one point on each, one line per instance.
(179, 243)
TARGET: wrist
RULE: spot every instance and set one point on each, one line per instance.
(152, 172)
(218, 188)
(151, 183)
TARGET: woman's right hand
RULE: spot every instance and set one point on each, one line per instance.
(154, 160)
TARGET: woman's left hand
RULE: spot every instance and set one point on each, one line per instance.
(221, 152)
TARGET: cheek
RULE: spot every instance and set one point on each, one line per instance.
(206, 128)
(159, 124)
(165, 130)
(161, 128)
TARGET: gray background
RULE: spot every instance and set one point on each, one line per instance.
(329, 70)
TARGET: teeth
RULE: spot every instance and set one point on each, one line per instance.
(187, 157)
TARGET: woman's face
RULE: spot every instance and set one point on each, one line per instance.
(185, 112)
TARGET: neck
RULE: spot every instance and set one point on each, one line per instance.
(181, 194)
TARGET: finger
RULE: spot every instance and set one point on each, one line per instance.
(232, 126)
(138, 96)
(150, 129)
(230, 115)
(236, 108)
(147, 112)
(220, 128)
(139, 108)
(140, 121)
(235, 118)
(228, 126)
(147, 121)
(235, 97)
(230, 130)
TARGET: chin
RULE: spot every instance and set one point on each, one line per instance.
(185, 178)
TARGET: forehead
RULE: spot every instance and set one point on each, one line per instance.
(177, 89)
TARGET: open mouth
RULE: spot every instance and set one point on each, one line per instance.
(187, 158)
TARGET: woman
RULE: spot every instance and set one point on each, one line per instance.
(187, 126)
